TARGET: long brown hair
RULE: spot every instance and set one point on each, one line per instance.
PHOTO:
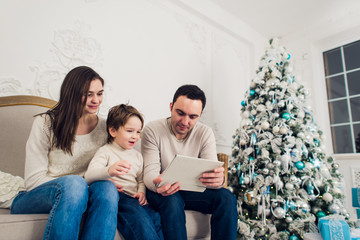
(66, 114)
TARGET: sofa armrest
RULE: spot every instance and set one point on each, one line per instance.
(222, 157)
(16, 117)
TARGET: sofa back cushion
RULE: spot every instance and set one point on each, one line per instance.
(16, 118)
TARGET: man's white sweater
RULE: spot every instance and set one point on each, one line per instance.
(159, 146)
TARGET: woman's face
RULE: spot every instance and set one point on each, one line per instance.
(94, 97)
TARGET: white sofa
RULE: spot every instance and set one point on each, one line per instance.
(16, 117)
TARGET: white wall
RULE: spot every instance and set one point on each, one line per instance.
(307, 46)
(144, 49)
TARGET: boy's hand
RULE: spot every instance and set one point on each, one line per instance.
(119, 168)
(141, 197)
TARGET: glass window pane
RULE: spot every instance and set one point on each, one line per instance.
(355, 109)
(352, 55)
(356, 128)
(341, 137)
(338, 111)
(335, 87)
(332, 62)
(354, 82)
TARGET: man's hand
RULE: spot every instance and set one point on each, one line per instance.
(167, 189)
(141, 197)
(119, 168)
(213, 179)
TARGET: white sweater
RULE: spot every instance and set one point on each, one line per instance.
(159, 146)
(132, 182)
(43, 164)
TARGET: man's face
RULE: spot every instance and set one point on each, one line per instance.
(185, 113)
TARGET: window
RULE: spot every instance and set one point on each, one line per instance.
(342, 74)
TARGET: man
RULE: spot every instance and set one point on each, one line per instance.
(183, 134)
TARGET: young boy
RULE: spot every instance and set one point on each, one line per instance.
(119, 162)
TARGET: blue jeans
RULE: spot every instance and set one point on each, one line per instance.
(66, 199)
(221, 203)
(136, 221)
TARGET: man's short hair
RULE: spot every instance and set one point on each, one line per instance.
(192, 92)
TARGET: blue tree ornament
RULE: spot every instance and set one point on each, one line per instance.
(291, 205)
(310, 188)
(290, 80)
(320, 214)
(316, 162)
(242, 179)
(293, 237)
(286, 116)
(299, 165)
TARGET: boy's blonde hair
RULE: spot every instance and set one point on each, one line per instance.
(118, 116)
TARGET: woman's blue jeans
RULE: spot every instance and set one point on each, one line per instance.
(220, 203)
(138, 222)
(66, 199)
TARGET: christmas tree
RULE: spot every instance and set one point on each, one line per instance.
(283, 180)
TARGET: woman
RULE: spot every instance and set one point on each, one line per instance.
(61, 144)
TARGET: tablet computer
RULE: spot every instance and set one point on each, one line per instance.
(187, 171)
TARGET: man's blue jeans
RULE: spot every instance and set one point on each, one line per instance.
(138, 222)
(66, 199)
(221, 203)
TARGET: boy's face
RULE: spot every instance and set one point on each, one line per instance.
(127, 135)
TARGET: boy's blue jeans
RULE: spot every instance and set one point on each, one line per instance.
(66, 199)
(138, 222)
(221, 203)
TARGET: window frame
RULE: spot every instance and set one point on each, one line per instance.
(347, 97)
(319, 99)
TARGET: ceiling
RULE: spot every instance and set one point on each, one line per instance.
(279, 18)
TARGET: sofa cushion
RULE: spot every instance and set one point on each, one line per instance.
(197, 225)
(22, 226)
(31, 226)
